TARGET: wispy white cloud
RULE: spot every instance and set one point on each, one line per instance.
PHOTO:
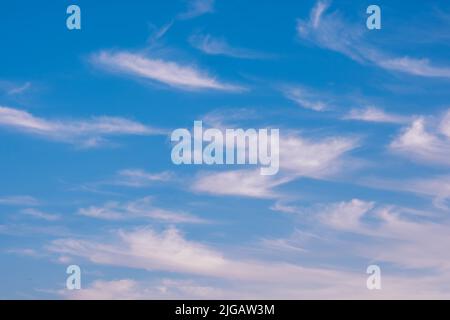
(280, 206)
(418, 67)
(248, 183)
(160, 32)
(26, 252)
(315, 158)
(399, 287)
(20, 89)
(229, 117)
(130, 178)
(307, 98)
(141, 208)
(330, 31)
(166, 72)
(407, 242)
(293, 243)
(29, 230)
(410, 241)
(123, 289)
(141, 178)
(437, 187)
(299, 157)
(219, 46)
(319, 158)
(372, 114)
(346, 216)
(12, 88)
(19, 201)
(170, 251)
(40, 214)
(425, 144)
(197, 8)
(128, 289)
(147, 249)
(86, 133)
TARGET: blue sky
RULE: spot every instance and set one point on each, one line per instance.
(87, 178)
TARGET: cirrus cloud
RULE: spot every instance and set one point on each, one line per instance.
(85, 133)
(167, 72)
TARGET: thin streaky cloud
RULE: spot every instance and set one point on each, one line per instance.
(12, 88)
(373, 114)
(317, 12)
(418, 67)
(197, 8)
(130, 178)
(40, 214)
(26, 252)
(415, 240)
(20, 89)
(167, 72)
(87, 133)
(141, 178)
(330, 31)
(279, 206)
(244, 183)
(229, 118)
(136, 290)
(401, 287)
(19, 200)
(292, 243)
(435, 187)
(141, 227)
(170, 251)
(410, 240)
(306, 98)
(27, 230)
(141, 208)
(219, 46)
(162, 31)
(299, 157)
